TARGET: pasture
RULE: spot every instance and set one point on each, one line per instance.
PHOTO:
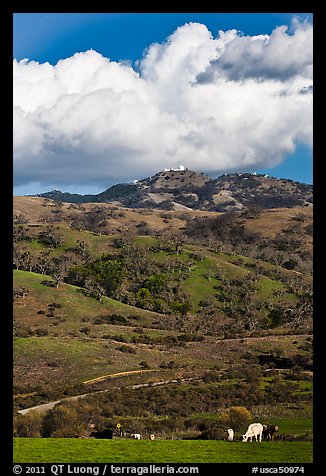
(69, 450)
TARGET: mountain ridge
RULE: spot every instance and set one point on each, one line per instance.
(174, 189)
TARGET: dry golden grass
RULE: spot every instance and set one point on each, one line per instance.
(33, 209)
(271, 222)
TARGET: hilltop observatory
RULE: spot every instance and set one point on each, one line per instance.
(178, 169)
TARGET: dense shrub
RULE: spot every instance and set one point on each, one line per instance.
(236, 417)
(28, 426)
(126, 348)
(112, 319)
(66, 420)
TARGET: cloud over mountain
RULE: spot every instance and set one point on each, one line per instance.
(210, 103)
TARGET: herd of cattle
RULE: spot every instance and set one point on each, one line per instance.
(255, 430)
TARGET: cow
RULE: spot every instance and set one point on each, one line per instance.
(254, 430)
(104, 434)
(230, 433)
(269, 432)
(136, 436)
(152, 437)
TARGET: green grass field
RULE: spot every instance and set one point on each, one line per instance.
(66, 450)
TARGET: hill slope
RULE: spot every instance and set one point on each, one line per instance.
(64, 339)
(197, 311)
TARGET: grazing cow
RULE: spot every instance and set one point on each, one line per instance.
(136, 436)
(230, 433)
(269, 432)
(104, 434)
(152, 437)
(254, 430)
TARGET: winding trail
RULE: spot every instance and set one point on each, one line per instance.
(119, 374)
(45, 407)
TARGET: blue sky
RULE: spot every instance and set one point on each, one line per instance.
(53, 36)
(123, 38)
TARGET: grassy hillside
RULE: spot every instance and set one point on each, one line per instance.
(64, 346)
(207, 311)
(63, 333)
(59, 342)
(72, 306)
(59, 339)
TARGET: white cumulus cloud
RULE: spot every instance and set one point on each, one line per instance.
(210, 103)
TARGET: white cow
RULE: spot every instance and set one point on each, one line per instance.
(137, 436)
(152, 437)
(230, 433)
(254, 430)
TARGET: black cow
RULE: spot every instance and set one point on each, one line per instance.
(104, 434)
(269, 432)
